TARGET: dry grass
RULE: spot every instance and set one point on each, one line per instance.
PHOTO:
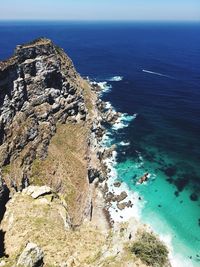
(65, 168)
(41, 223)
(37, 42)
(88, 96)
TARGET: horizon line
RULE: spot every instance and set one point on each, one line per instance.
(98, 20)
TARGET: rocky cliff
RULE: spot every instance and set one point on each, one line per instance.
(53, 178)
(41, 97)
(39, 88)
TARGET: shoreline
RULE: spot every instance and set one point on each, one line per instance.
(121, 204)
(114, 192)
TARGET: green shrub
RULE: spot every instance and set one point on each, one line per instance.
(150, 250)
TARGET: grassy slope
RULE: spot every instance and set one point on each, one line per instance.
(65, 168)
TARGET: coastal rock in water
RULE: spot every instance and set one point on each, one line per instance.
(129, 204)
(121, 206)
(112, 116)
(144, 178)
(110, 197)
(32, 256)
(124, 205)
(121, 197)
(107, 153)
(117, 184)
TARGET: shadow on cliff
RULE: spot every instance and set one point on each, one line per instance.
(3, 201)
(2, 245)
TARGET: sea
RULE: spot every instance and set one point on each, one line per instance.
(149, 71)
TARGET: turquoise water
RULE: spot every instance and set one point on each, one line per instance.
(174, 217)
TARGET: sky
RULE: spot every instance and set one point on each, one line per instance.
(183, 10)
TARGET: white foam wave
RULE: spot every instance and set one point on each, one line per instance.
(156, 73)
(122, 143)
(116, 79)
(106, 140)
(129, 212)
(109, 106)
(176, 260)
(123, 121)
(104, 86)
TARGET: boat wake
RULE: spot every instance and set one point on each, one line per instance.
(156, 73)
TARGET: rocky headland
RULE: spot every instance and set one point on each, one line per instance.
(54, 193)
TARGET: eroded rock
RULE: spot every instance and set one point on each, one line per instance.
(121, 206)
(37, 191)
(32, 256)
(117, 184)
(121, 197)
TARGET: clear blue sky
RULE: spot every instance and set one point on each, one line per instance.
(100, 9)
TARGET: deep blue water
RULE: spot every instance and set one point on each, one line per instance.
(167, 129)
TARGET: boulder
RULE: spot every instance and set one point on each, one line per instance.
(110, 197)
(93, 174)
(2, 263)
(121, 206)
(32, 256)
(107, 153)
(117, 184)
(121, 197)
(37, 191)
(112, 116)
(129, 204)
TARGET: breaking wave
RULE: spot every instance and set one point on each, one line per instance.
(116, 79)
(122, 143)
(123, 121)
(104, 86)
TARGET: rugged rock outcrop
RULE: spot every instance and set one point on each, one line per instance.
(37, 191)
(39, 88)
(32, 256)
(37, 231)
(36, 215)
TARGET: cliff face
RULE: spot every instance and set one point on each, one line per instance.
(39, 88)
(42, 96)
